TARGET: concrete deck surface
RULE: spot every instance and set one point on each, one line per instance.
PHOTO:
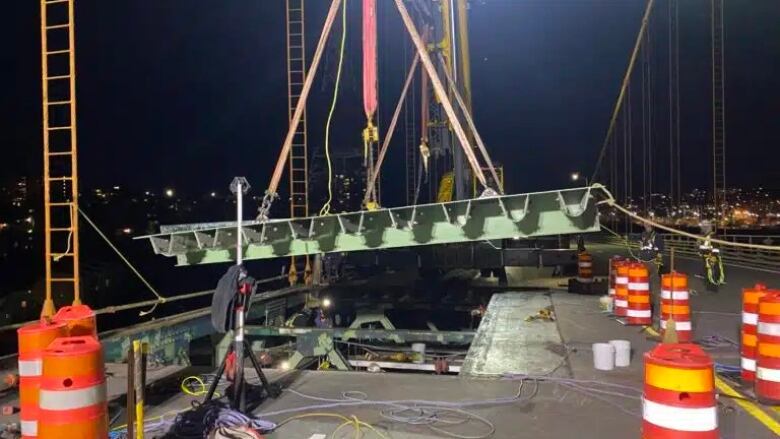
(553, 411)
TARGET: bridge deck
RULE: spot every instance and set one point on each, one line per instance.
(505, 341)
(552, 411)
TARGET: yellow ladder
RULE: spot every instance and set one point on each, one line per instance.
(60, 172)
(298, 163)
(718, 115)
(296, 75)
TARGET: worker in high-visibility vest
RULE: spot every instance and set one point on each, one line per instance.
(651, 247)
(650, 244)
(712, 272)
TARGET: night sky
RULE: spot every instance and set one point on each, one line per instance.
(189, 93)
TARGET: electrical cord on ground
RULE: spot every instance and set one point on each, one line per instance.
(716, 341)
(204, 418)
(197, 385)
(422, 412)
(434, 414)
(352, 420)
(431, 416)
(592, 388)
(326, 207)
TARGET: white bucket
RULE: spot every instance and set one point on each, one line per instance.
(607, 303)
(603, 356)
(419, 350)
(622, 352)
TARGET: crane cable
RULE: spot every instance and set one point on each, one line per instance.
(325, 210)
(623, 88)
(610, 201)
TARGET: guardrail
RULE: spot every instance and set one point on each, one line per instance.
(684, 246)
(743, 257)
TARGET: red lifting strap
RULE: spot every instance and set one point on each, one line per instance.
(370, 99)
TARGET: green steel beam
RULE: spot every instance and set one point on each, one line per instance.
(169, 337)
(396, 335)
(566, 211)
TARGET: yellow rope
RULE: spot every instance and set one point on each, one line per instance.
(326, 207)
(203, 390)
(354, 421)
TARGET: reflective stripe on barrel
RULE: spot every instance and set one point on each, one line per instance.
(750, 298)
(679, 394)
(33, 339)
(639, 311)
(73, 389)
(767, 386)
(584, 267)
(621, 288)
(675, 305)
(613, 261)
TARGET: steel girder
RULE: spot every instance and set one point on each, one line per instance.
(396, 335)
(566, 211)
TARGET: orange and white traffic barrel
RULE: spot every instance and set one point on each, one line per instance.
(639, 310)
(81, 320)
(613, 261)
(584, 267)
(675, 304)
(768, 358)
(73, 390)
(679, 393)
(621, 288)
(33, 339)
(750, 298)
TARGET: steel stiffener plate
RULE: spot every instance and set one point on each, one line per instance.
(566, 211)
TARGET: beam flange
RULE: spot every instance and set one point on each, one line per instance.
(560, 212)
(397, 335)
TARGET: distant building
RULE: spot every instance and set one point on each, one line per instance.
(20, 193)
(349, 182)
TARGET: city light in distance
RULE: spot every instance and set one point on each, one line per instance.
(169, 192)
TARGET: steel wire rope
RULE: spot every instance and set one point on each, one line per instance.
(623, 89)
(160, 298)
(610, 201)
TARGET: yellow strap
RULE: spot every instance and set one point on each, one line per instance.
(678, 380)
(138, 349)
